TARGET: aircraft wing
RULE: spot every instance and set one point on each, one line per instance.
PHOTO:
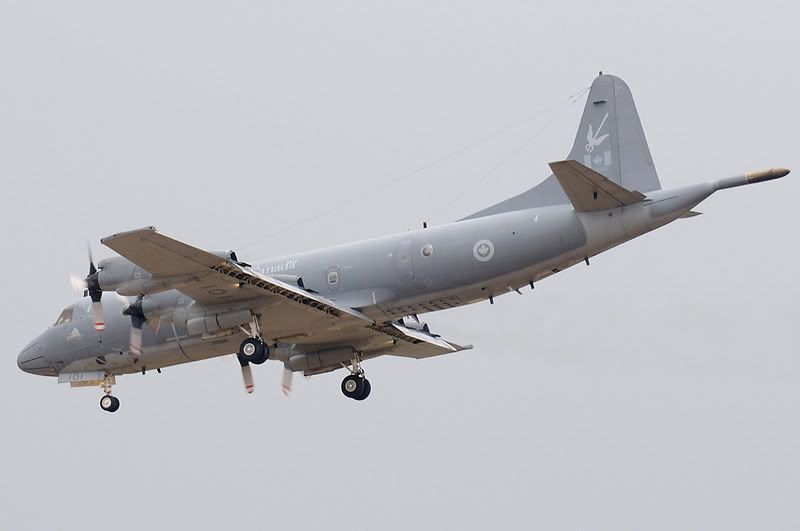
(588, 190)
(292, 314)
(413, 343)
(210, 279)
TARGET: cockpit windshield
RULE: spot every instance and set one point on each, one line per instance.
(65, 317)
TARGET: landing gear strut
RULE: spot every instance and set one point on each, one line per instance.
(108, 403)
(253, 349)
(356, 386)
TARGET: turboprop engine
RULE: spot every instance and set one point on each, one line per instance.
(313, 361)
(213, 322)
(123, 276)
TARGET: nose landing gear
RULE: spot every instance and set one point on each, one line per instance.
(108, 403)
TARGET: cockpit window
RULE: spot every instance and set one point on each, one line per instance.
(65, 317)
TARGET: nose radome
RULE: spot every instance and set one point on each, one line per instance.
(26, 356)
(32, 359)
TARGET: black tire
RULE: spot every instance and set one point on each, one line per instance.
(353, 386)
(109, 403)
(253, 350)
(365, 391)
(264, 355)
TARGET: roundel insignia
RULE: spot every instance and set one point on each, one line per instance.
(483, 251)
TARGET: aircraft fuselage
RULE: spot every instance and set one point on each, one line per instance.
(390, 277)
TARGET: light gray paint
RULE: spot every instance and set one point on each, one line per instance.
(691, 429)
(389, 278)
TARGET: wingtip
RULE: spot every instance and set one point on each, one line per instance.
(118, 235)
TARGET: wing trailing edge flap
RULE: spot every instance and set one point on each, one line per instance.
(416, 343)
(589, 191)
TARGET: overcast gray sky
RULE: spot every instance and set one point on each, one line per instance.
(656, 389)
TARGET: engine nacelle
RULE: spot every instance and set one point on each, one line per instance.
(126, 278)
(313, 361)
(215, 322)
(117, 271)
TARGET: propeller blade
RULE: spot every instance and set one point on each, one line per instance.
(138, 319)
(78, 284)
(247, 374)
(92, 268)
(97, 314)
(155, 325)
(136, 341)
(92, 287)
(286, 381)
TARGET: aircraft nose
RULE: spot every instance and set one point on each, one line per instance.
(32, 359)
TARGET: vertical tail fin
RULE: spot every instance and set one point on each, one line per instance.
(610, 140)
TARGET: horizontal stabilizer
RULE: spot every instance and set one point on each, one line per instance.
(589, 191)
(691, 214)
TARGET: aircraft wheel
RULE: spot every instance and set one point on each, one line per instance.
(365, 391)
(253, 350)
(353, 386)
(109, 403)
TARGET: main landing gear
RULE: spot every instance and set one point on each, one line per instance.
(252, 350)
(356, 386)
(108, 403)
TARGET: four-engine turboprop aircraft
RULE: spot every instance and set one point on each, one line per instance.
(334, 308)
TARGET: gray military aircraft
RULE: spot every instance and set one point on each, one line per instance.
(335, 308)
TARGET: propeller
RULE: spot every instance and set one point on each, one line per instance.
(247, 374)
(286, 381)
(91, 287)
(249, 386)
(134, 311)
